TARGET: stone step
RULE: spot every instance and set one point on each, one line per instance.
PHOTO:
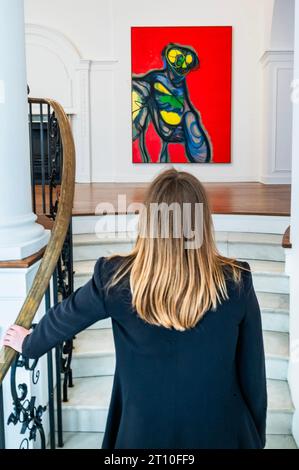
(280, 442)
(91, 246)
(86, 410)
(273, 301)
(275, 311)
(275, 320)
(268, 276)
(277, 354)
(83, 271)
(280, 408)
(257, 246)
(102, 324)
(82, 440)
(94, 354)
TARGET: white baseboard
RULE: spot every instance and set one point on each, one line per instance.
(277, 179)
(147, 177)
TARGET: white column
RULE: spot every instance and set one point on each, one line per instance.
(14, 286)
(81, 123)
(294, 255)
(20, 235)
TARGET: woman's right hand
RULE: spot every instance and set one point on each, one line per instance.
(15, 336)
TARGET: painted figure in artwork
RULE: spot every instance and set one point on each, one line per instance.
(161, 96)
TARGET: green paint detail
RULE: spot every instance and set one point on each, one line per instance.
(180, 60)
(175, 103)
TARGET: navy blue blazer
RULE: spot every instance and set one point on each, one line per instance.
(204, 388)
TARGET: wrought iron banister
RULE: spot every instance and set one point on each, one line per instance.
(58, 234)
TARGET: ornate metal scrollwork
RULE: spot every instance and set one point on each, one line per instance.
(65, 288)
(25, 410)
(55, 158)
(65, 261)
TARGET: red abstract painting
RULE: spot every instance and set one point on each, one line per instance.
(181, 94)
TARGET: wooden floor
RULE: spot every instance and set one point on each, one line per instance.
(225, 198)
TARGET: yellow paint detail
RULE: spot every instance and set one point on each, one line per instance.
(172, 55)
(171, 118)
(184, 65)
(136, 104)
(158, 86)
(189, 59)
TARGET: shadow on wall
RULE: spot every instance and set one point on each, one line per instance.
(281, 34)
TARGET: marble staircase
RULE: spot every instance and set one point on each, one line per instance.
(85, 414)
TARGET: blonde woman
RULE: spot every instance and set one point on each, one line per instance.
(190, 367)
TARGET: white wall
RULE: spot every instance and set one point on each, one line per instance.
(87, 23)
(282, 30)
(294, 253)
(277, 71)
(244, 17)
(99, 30)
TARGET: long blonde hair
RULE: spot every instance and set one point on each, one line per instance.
(174, 286)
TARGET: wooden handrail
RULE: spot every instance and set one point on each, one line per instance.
(286, 241)
(60, 227)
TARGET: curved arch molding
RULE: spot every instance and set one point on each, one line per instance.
(55, 69)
